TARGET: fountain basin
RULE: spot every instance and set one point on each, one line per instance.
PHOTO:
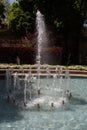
(75, 117)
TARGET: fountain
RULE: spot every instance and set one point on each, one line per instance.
(46, 94)
(30, 91)
(27, 90)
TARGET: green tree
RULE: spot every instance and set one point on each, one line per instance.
(66, 16)
(19, 22)
(29, 6)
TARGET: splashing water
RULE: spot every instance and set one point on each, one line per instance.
(27, 88)
(42, 36)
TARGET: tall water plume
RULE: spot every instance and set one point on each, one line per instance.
(41, 36)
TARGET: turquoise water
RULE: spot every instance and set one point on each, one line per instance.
(73, 118)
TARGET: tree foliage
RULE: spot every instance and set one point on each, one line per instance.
(62, 12)
(2, 10)
(19, 21)
(66, 16)
(7, 8)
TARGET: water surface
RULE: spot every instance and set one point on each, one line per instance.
(73, 118)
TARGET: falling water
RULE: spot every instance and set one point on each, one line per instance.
(41, 41)
(26, 76)
(42, 36)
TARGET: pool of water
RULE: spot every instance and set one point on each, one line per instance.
(47, 118)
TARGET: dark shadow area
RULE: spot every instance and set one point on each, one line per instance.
(10, 54)
(78, 101)
(8, 112)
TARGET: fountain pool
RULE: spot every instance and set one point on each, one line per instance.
(73, 116)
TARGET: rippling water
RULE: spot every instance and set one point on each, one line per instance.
(73, 117)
